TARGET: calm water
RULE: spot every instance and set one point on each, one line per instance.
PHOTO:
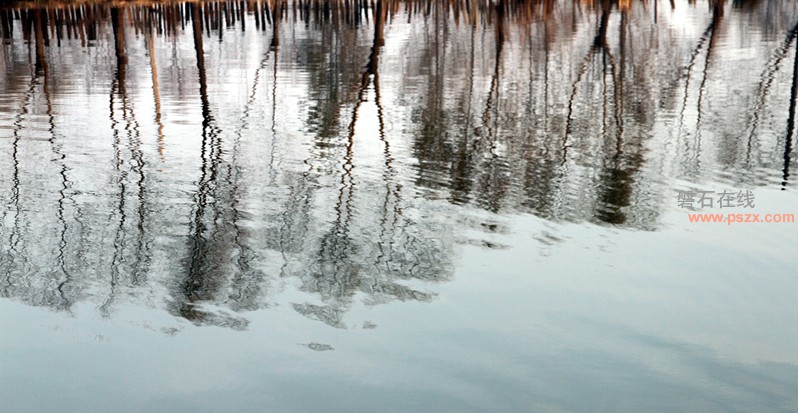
(442, 206)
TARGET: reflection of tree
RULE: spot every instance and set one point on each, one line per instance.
(247, 282)
(117, 21)
(763, 91)
(209, 245)
(130, 260)
(461, 180)
(790, 122)
(156, 91)
(335, 274)
(46, 284)
(431, 146)
(41, 39)
(220, 267)
(717, 17)
(65, 272)
(493, 182)
(693, 56)
(14, 261)
(7, 23)
(507, 106)
(340, 267)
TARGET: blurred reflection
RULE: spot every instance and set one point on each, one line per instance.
(207, 156)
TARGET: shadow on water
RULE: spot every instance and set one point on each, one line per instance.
(347, 172)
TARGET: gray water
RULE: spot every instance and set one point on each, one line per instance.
(450, 206)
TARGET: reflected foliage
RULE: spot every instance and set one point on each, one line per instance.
(207, 157)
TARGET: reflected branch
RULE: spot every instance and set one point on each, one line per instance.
(790, 123)
(717, 16)
(766, 80)
(62, 197)
(156, 93)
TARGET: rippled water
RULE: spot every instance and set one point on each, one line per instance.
(399, 206)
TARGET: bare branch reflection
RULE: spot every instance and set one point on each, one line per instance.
(210, 158)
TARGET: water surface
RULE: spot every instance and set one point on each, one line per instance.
(399, 206)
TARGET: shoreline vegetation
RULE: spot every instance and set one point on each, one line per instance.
(468, 10)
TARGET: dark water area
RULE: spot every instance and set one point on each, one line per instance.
(398, 206)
